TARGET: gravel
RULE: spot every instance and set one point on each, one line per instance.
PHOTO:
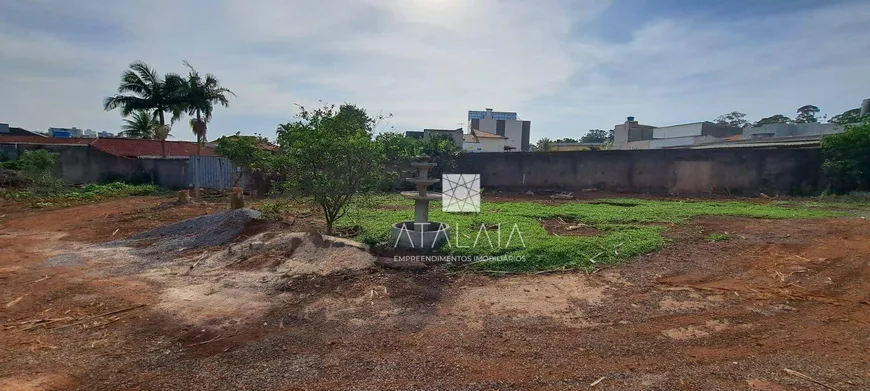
(200, 232)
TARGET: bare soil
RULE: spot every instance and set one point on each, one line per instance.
(729, 315)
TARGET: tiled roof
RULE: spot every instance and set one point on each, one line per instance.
(481, 134)
(138, 148)
(117, 146)
(469, 138)
(43, 140)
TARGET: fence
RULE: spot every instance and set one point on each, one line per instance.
(211, 172)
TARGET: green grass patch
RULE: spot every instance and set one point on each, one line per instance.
(628, 227)
(718, 237)
(64, 196)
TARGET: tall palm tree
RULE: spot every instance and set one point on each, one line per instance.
(139, 125)
(198, 95)
(142, 88)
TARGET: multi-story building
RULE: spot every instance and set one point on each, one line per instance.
(503, 115)
(515, 131)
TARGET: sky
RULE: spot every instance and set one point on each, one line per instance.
(566, 65)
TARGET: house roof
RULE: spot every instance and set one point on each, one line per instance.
(117, 146)
(481, 134)
(139, 148)
(43, 140)
(469, 138)
(13, 131)
(768, 142)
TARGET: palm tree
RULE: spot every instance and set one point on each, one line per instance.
(139, 125)
(142, 88)
(544, 145)
(198, 95)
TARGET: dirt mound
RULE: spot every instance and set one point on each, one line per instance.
(200, 232)
(294, 253)
(12, 179)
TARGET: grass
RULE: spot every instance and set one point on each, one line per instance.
(64, 196)
(718, 237)
(628, 227)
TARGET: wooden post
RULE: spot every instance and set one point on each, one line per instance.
(237, 198)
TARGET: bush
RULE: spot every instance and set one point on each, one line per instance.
(847, 158)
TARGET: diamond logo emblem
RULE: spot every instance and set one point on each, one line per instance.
(461, 193)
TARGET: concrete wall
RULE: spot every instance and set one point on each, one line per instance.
(485, 145)
(686, 130)
(455, 134)
(786, 130)
(667, 171)
(81, 164)
(680, 141)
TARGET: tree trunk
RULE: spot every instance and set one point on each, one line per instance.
(198, 153)
(163, 140)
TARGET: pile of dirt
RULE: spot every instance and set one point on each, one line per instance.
(205, 231)
(293, 253)
(12, 179)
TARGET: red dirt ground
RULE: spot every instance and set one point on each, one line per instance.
(697, 315)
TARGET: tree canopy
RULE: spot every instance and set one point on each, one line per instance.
(595, 136)
(330, 157)
(807, 114)
(734, 118)
(773, 119)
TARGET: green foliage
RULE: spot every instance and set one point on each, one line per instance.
(568, 140)
(718, 237)
(62, 196)
(595, 136)
(141, 124)
(627, 228)
(197, 95)
(734, 118)
(246, 151)
(329, 157)
(37, 166)
(271, 210)
(399, 151)
(544, 145)
(444, 152)
(847, 158)
(807, 114)
(773, 119)
(848, 117)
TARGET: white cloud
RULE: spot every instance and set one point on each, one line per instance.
(429, 61)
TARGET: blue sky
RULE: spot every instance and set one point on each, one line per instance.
(568, 66)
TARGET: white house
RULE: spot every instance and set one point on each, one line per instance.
(480, 141)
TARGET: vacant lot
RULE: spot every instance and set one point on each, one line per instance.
(627, 294)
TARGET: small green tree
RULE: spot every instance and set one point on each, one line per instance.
(444, 152)
(246, 151)
(330, 158)
(38, 167)
(399, 151)
(847, 158)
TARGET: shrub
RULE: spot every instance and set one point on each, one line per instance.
(847, 158)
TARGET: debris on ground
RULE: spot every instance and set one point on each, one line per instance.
(293, 253)
(205, 231)
(563, 196)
